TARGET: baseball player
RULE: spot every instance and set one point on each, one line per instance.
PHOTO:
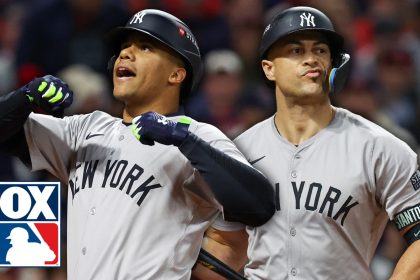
(143, 189)
(338, 177)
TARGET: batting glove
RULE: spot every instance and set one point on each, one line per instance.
(50, 94)
(150, 127)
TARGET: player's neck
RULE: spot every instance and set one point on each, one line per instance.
(297, 123)
(164, 108)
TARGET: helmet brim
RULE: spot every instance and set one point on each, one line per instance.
(336, 41)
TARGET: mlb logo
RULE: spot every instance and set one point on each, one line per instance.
(30, 224)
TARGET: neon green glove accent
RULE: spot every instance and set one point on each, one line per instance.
(135, 131)
(57, 97)
(185, 120)
(31, 99)
(42, 86)
(50, 91)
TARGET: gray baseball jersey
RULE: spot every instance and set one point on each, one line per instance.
(335, 194)
(134, 211)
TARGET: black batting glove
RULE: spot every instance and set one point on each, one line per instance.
(48, 95)
(150, 127)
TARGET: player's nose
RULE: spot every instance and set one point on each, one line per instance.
(127, 52)
(310, 59)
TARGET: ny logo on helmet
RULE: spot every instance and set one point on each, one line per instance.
(138, 18)
(308, 19)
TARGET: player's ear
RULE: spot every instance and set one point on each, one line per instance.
(268, 68)
(177, 76)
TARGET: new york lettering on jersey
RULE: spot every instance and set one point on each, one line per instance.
(331, 203)
(123, 175)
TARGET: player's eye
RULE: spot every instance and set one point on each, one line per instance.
(145, 47)
(296, 50)
(321, 50)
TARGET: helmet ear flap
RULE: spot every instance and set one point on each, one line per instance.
(339, 74)
(110, 65)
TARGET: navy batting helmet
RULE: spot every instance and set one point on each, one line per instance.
(301, 18)
(170, 31)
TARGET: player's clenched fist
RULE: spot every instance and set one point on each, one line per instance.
(150, 127)
(48, 93)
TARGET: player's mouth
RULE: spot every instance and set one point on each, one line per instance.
(312, 73)
(124, 72)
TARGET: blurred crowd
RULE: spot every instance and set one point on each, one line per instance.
(65, 38)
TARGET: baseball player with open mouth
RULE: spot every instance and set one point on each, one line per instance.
(143, 189)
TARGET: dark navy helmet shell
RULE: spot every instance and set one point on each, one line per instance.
(297, 19)
(169, 30)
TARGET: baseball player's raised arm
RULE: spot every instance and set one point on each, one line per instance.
(15, 108)
(245, 194)
(47, 94)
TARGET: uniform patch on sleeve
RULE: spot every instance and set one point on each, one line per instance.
(407, 217)
(415, 180)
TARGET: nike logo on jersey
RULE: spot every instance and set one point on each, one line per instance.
(93, 135)
(256, 160)
(416, 234)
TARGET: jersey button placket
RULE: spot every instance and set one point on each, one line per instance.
(292, 231)
(295, 162)
(294, 258)
(293, 271)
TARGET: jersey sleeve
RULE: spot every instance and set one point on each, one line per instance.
(396, 175)
(51, 142)
(218, 140)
